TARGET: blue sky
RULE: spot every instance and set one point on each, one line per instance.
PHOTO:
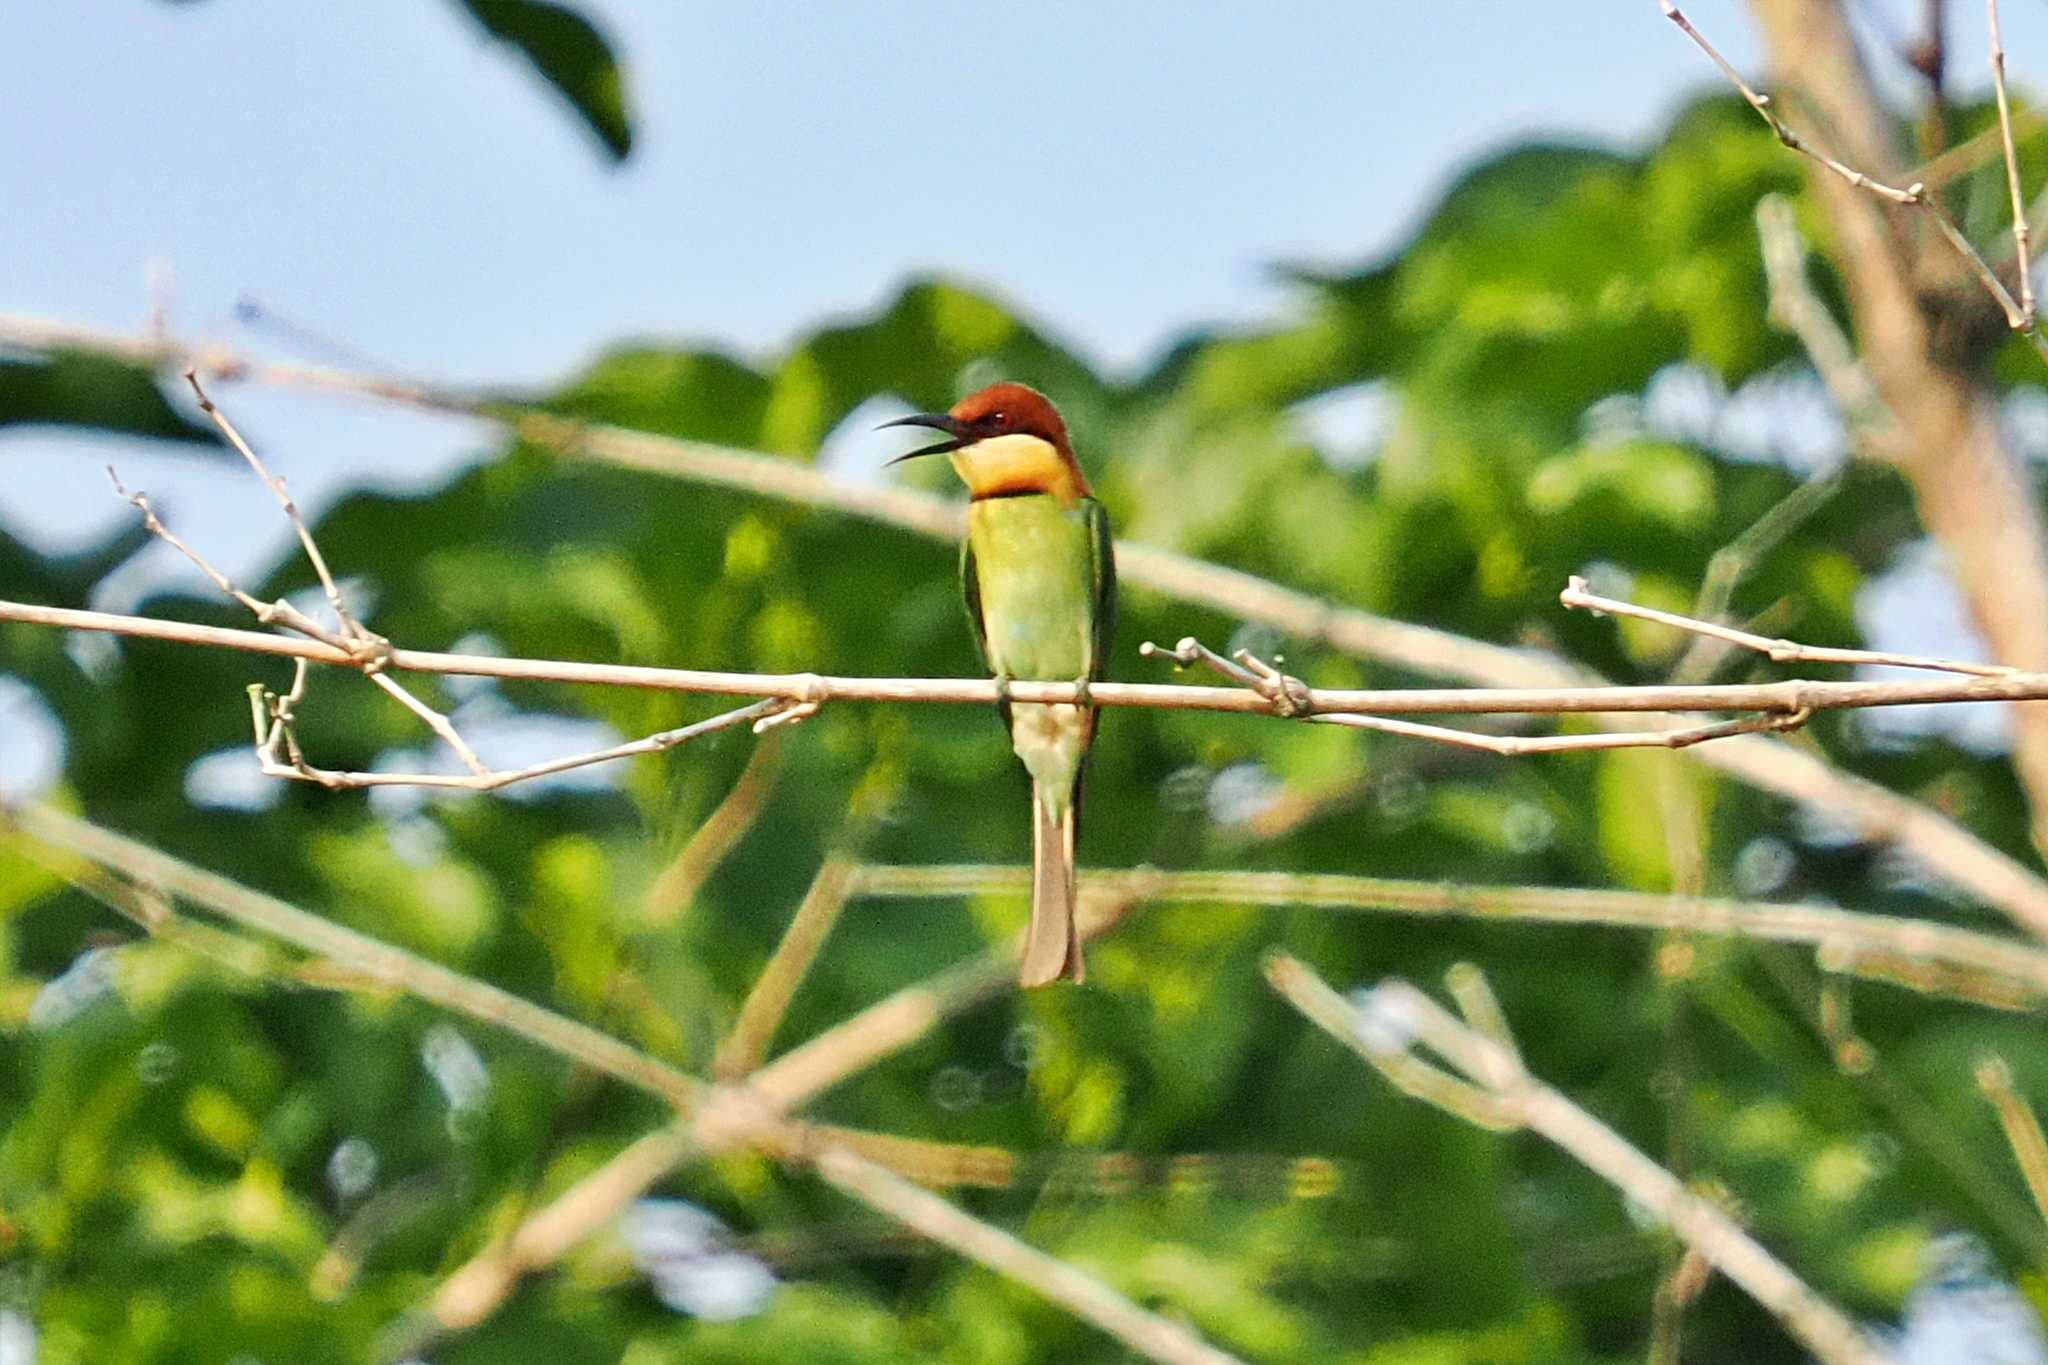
(382, 173)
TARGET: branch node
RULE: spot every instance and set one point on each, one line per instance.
(814, 694)
(192, 378)
(1792, 720)
(369, 651)
(1290, 696)
(1188, 651)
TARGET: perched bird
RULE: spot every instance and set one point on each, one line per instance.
(1039, 575)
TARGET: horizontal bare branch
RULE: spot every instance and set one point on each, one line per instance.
(1978, 966)
(1782, 698)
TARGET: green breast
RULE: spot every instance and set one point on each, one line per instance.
(1033, 558)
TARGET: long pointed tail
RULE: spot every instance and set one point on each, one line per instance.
(1052, 948)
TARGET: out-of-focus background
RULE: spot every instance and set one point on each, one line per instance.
(1417, 309)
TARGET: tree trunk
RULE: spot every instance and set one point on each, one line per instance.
(1921, 321)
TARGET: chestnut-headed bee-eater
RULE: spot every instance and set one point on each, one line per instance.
(1039, 575)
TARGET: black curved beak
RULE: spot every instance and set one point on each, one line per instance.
(959, 432)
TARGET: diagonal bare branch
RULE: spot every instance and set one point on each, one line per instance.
(374, 960)
(1778, 651)
(1795, 307)
(761, 1013)
(349, 625)
(1767, 111)
(1397, 1017)
(676, 885)
(2022, 1126)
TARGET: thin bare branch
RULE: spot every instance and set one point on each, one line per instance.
(370, 651)
(278, 754)
(1779, 651)
(449, 735)
(1974, 152)
(888, 1026)
(675, 886)
(479, 1286)
(1919, 954)
(383, 1213)
(277, 748)
(278, 613)
(1795, 307)
(761, 1014)
(1520, 746)
(1072, 1172)
(157, 917)
(1397, 1016)
(1072, 1289)
(1289, 697)
(1786, 698)
(2022, 322)
(2023, 254)
(1481, 1008)
(349, 625)
(1676, 1291)
(1912, 194)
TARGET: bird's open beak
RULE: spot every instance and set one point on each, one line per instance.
(958, 432)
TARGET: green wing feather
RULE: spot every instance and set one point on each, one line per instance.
(970, 591)
(1104, 573)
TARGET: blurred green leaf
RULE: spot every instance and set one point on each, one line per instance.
(570, 54)
(69, 389)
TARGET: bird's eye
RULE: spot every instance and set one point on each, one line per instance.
(994, 419)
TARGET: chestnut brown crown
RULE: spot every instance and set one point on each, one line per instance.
(1012, 410)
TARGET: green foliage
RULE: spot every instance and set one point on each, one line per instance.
(87, 391)
(165, 1171)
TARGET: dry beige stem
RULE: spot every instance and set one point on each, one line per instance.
(1399, 1017)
